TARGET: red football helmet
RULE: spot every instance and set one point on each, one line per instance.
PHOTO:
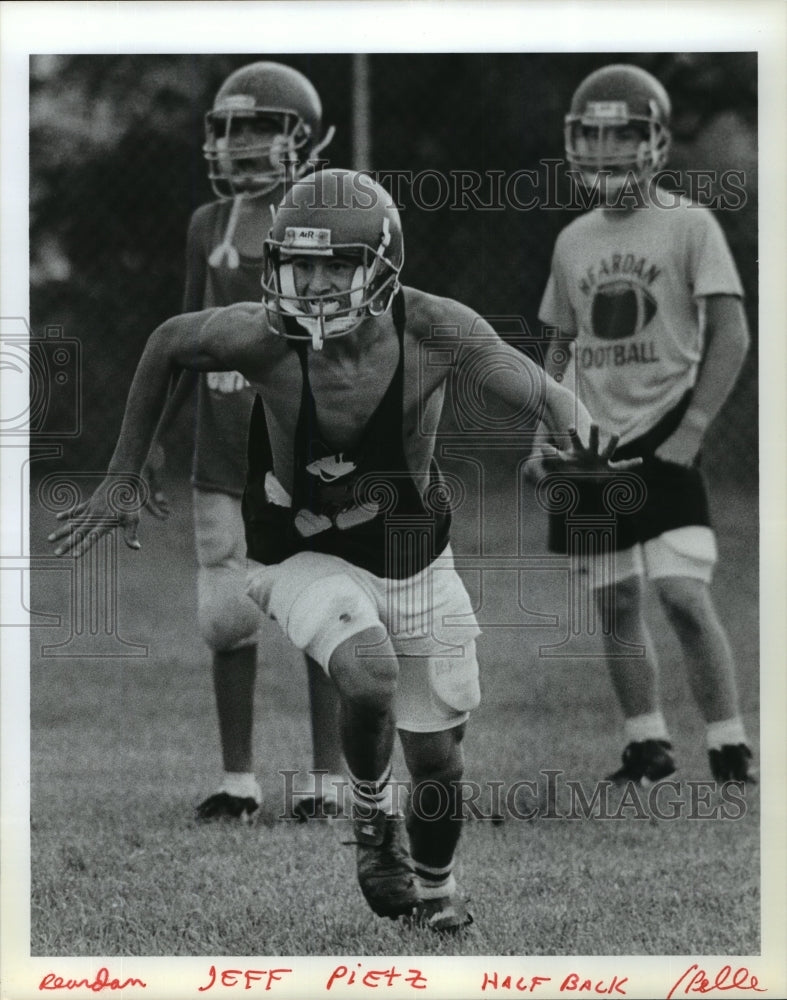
(333, 213)
(610, 98)
(264, 126)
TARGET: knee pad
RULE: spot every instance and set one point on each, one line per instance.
(227, 618)
(317, 615)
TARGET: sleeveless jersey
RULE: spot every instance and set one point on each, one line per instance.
(627, 290)
(361, 504)
(224, 399)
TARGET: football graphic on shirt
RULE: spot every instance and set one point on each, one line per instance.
(621, 309)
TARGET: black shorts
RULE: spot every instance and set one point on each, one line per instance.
(634, 506)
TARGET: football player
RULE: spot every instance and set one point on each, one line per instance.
(645, 289)
(264, 127)
(347, 524)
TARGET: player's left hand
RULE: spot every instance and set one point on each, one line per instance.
(93, 518)
(588, 458)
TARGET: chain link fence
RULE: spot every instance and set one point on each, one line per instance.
(116, 169)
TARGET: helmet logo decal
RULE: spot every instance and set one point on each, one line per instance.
(607, 111)
(305, 238)
(236, 102)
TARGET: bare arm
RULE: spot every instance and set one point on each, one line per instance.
(214, 340)
(186, 382)
(525, 388)
(726, 346)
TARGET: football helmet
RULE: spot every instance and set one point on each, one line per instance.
(264, 126)
(330, 213)
(611, 97)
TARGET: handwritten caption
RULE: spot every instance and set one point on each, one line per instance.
(694, 980)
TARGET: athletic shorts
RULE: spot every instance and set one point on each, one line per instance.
(428, 617)
(654, 518)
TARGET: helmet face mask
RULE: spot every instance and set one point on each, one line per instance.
(264, 126)
(334, 215)
(618, 125)
(253, 152)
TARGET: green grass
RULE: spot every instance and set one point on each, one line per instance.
(122, 749)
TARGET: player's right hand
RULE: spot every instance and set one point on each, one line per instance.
(156, 503)
(113, 505)
(585, 458)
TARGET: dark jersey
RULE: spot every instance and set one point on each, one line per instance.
(362, 505)
(224, 399)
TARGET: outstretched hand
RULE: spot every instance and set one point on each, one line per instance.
(115, 504)
(580, 457)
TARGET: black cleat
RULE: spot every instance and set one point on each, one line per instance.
(316, 807)
(385, 872)
(445, 914)
(645, 763)
(732, 763)
(223, 805)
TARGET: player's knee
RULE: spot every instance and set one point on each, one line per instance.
(227, 618)
(228, 632)
(324, 616)
(365, 670)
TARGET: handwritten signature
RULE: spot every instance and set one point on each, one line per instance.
(696, 980)
(99, 983)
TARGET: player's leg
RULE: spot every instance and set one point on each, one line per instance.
(613, 581)
(635, 678)
(438, 688)
(325, 609)
(434, 824)
(229, 622)
(365, 670)
(681, 564)
(327, 760)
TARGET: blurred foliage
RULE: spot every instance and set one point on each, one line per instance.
(116, 169)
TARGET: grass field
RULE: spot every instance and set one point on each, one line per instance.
(122, 748)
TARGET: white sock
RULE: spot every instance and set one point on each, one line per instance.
(646, 727)
(241, 783)
(431, 888)
(731, 731)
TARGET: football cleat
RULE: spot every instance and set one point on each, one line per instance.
(442, 914)
(222, 805)
(385, 872)
(732, 763)
(644, 763)
(239, 797)
(325, 803)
